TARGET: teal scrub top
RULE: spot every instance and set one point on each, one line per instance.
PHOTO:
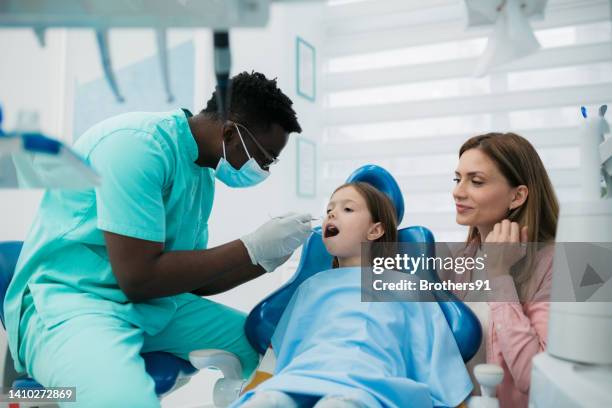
(151, 189)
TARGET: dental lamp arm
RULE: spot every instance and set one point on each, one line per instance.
(223, 64)
(102, 39)
(162, 49)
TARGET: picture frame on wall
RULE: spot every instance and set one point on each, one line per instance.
(306, 80)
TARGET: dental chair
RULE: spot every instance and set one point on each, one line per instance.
(263, 319)
(168, 371)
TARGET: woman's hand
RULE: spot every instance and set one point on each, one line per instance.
(503, 247)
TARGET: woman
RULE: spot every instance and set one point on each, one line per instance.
(504, 195)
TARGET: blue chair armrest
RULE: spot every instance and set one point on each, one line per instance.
(165, 368)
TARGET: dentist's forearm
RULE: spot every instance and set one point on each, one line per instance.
(211, 270)
(229, 281)
(144, 271)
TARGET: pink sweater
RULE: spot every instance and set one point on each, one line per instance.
(517, 331)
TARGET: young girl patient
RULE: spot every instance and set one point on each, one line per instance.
(335, 351)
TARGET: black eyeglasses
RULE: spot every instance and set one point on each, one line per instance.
(270, 159)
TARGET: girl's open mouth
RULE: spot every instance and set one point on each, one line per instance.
(331, 231)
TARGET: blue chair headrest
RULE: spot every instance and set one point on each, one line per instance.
(383, 181)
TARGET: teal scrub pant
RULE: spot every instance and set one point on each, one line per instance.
(99, 354)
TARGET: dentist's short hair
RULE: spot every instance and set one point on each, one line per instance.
(257, 102)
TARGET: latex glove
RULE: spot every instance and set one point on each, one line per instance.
(271, 264)
(278, 237)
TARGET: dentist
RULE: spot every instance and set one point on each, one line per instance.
(107, 274)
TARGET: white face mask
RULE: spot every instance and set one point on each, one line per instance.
(250, 174)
